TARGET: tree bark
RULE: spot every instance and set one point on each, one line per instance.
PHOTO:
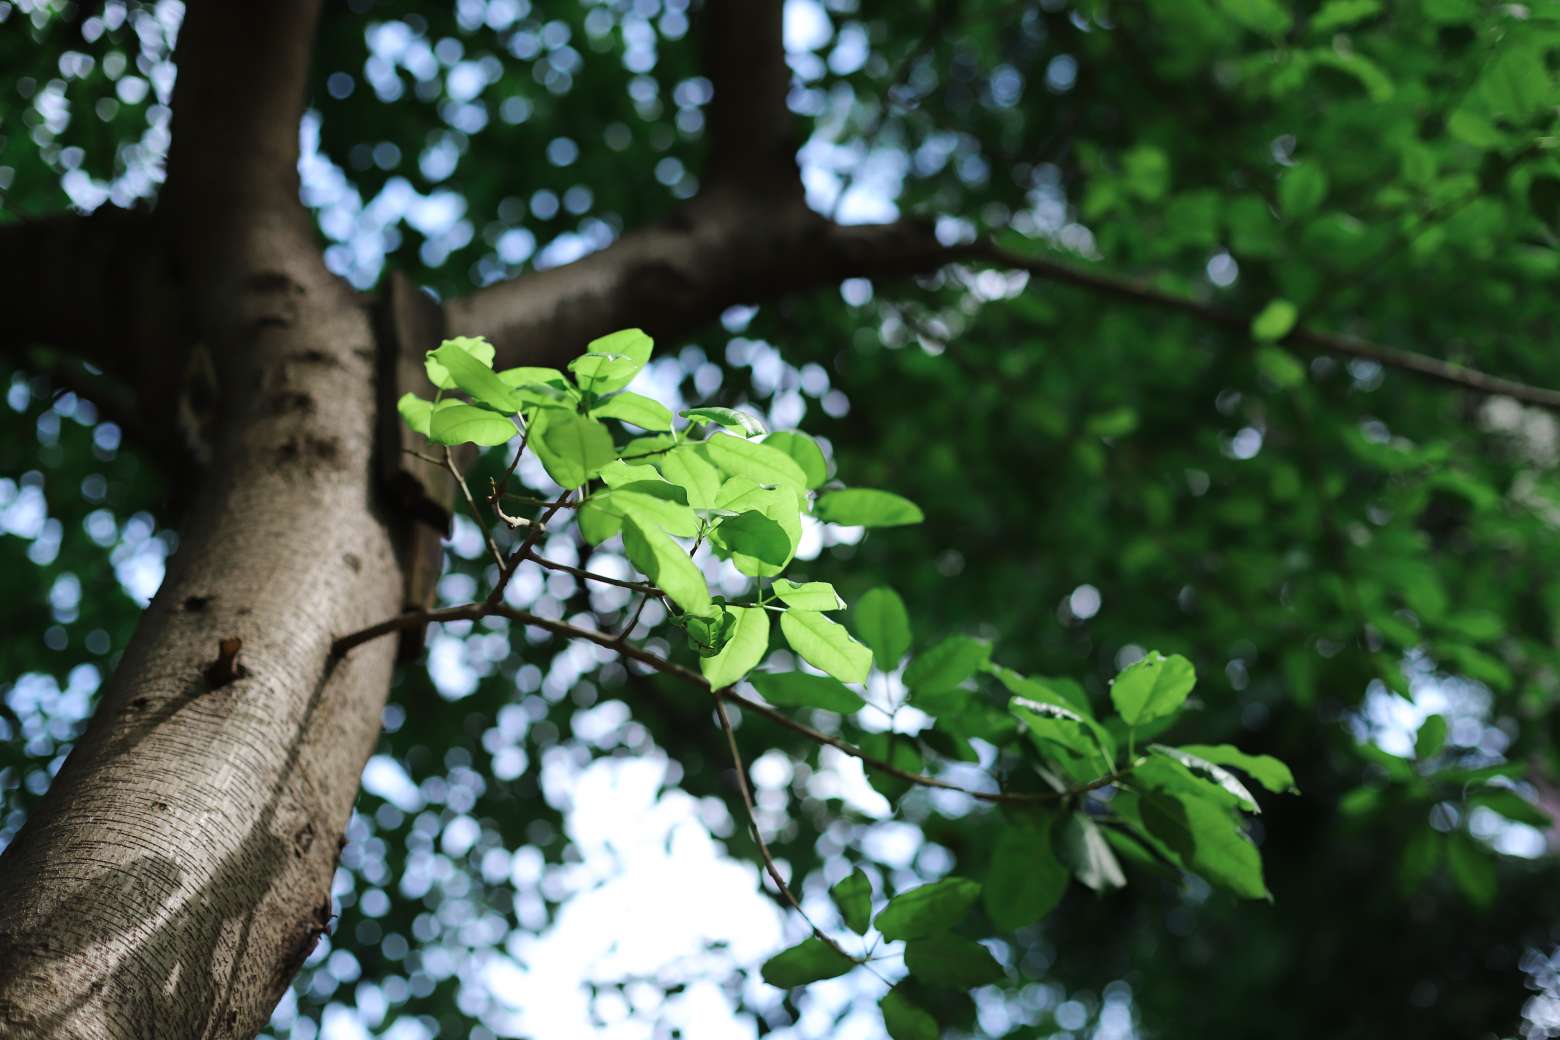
(178, 871)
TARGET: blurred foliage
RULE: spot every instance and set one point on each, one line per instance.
(1342, 551)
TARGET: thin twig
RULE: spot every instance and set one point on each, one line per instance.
(584, 575)
(1139, 292)
(487, 536)
(758, 839)
(475, 611)
(506, 569)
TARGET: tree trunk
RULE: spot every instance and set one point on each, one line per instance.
(179, 869)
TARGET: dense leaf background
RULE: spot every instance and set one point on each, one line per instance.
(1341, 549)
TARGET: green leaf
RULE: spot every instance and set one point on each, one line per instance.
(927, 910)
(663, 561)
(757, 544)
(1085, 849)
(1204, 771)
(883, 624)
(826, 645)
(709, 635)
(1267, 18)
(1340, 14)
(853, 896)
(1264, 769)
(536, 377)
(690, 469)
(952, 961)
(612, 361)
(474, 347)
(416, 412)
(1512, 806)
(1115, 422)
(652, 502)
(1275, 321)
(571, 447)
(1065, 692)
(905, 1021)
(946, 665)
(865, 507)
(811, 595)
(1431, 738)
(757, 462)
(748, 643)
(804, 451)
(741, 495)
(726, 418)
(1208, 839)
(475, 378)
(627, 406)
(456, 423)
(1152, 688)
(810, 960)
(1473, 868)
(618, 473)
(1301, 190)
(1026, 880)
(802, 690)
(1281, 368)
(1063, 727)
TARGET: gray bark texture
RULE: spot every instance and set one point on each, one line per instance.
(177, 873)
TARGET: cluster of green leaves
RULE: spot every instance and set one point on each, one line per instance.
(721, 478)
(1169, 807)
(738, 488)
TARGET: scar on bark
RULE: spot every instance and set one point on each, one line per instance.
(226, 668)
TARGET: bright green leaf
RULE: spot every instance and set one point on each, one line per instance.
(865, 507)
(611, 362)
(1208, 839)
(1152, 688)
(664, 562)
(416, 412)
(627, 406)
(456, 423)
(689, 468)
(475, 378)
(727, 419)
(826, 645)
(473, 346)
(748, 642)
(757, 462)
(1275, 321)
(811, 595)
(571, 447)
(804, 451)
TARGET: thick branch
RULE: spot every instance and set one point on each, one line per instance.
(92, 285)
(233, 161)
(752, 136)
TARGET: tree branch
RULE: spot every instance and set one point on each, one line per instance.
(94, 285)
(476, 611)
(752, 136)
(237, 103)
(1325, 342)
